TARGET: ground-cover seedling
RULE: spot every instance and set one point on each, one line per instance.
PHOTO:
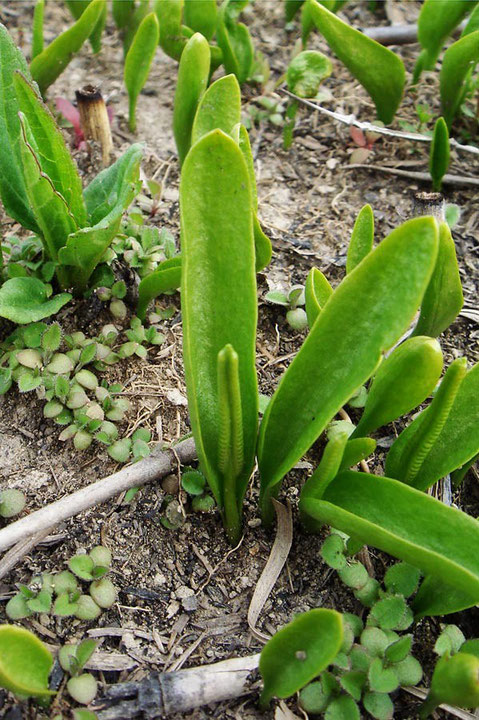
(305, 73)
(81, 686)
(299, 652)
(25, 663)
(61, 594)
(293, 300)
(138, 62)
(41, 187)
(47, 65)
(12, 501)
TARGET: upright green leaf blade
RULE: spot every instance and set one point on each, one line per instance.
(456, 64)
(12, 182)
(317, 292)
(379, 70)
(220, 107)
(52, 153)
(193, 74)
(443, 298)
(37, 31)
(50, 64)
(299, 652)
(201, 16)
(169, 14)
(138, 62)
(436, 21)
(383, 512)
(366, 314)
(218, 293)
(439, 155)
(362, 238)
(457, 442)
(235, 41)
(165, 278)
(403, 381)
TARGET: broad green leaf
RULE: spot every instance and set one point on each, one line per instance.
(356, 450)
(383, 512)
(235, 42)
(362, 238)
(299, 652)
(77, 8)
(37, 30)
(85, 248)
(317, 292)
(219, 108)
(169, 14)
(306, 72)
(46, 67)
(25, 299)
(367, 313)
(193, 74)
(379, 70)
(458, 60)
(402, 382)
(439, 154)
(200, 16)
(291, 7)
(436, 21)
(25, 663)
(165, 278)
(122, 11)
(51, 152)
(473, 22)
(51, 212)
(443, 298)
(138, 62)
(12, 182)
(436, 597)
(218, 294)
(455, 681)
(410, 451)
(112, 190)
(457, 441)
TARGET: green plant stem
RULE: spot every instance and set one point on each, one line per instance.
(132, 113)
(427, 708)
(232, 514)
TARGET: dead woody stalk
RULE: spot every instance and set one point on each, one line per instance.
(94, 119)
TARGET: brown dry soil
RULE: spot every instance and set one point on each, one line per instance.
(184, 595)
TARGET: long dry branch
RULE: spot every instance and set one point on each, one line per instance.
(455, 180)
(400, 34)
(147, 470)
(351, 120)
(163, 694)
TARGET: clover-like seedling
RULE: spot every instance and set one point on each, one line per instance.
(36, 597)
(293, 300)
(194, 483)
(12, 503)
(82, 687)
(375, 659)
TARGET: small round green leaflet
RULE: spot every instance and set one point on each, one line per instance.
(25, 663)
(306, 71)
(299, 652)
